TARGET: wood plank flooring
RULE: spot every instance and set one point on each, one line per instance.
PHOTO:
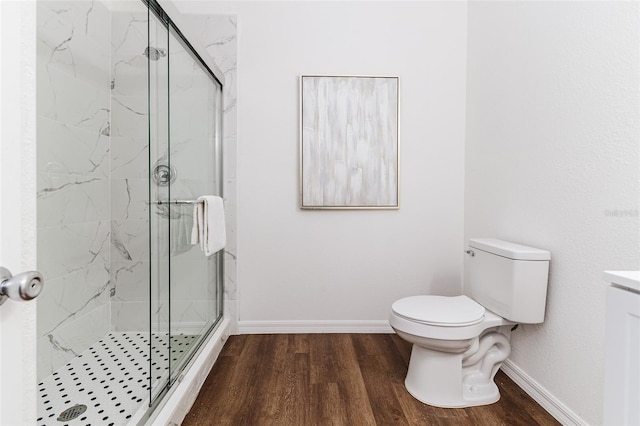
(335, 379)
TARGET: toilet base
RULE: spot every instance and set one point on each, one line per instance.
(436, 378)
(470, 398)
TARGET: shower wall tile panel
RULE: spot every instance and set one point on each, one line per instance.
(68, 99)
(189, 315)
(73, 125)
(129, 172)
(69, 199)
(128, 199)
(190, 261)
(130, 316)
(60, 346)
(129, 240)
(76, 35)
(70, 150)
(64, 250)
(126, 272)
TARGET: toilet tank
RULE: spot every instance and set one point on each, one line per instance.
(508, 279)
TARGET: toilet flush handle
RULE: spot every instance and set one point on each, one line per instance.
(470, 253)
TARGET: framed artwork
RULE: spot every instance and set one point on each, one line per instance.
(349, 142)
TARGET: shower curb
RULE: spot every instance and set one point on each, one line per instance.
(182, 396)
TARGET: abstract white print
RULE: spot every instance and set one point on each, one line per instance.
(349, 142)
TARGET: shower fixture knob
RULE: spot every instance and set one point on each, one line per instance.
(24, 286)
(164, 175)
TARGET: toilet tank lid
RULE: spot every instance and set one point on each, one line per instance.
(509, 250)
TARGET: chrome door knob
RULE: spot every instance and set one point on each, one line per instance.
(24, 286)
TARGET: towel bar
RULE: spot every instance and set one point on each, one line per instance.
(160, 202)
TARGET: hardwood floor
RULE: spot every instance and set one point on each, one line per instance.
(335, 379)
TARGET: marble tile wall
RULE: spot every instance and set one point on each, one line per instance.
(73, 130)
(130, 231)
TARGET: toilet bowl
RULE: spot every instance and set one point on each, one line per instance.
(456, 350)
(459, 342)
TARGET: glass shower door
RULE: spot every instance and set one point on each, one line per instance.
(128, 122)
(161, 175)
(185, 128)
(195, 131)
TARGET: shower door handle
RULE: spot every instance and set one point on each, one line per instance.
(24, 286)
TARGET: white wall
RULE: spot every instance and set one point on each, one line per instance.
(552, 161)
(346, 265)
(18, 328)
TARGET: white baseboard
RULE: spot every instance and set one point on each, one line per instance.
(541, 395)
(280, 327)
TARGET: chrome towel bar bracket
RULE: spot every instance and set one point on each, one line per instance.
(160, 202)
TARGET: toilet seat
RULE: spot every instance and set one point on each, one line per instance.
(442, 311)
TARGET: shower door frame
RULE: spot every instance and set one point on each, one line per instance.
(168, 12)
(167, 15)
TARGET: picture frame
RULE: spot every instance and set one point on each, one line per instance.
(349, 142)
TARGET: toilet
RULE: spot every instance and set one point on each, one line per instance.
(459, 342)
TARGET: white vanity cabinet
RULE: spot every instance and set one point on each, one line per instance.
(622, 342)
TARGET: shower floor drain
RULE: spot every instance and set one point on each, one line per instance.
(72, 413)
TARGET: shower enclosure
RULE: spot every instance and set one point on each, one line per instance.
(129, 132)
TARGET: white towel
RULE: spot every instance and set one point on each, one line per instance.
(209, 224)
